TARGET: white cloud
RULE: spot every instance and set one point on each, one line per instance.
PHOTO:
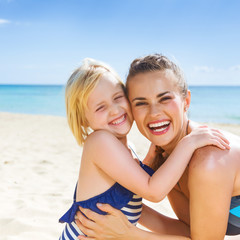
(4, 21)
(203, 75)
(235, 68)
(205, 69)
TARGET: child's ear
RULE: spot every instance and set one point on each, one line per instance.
(187, 101)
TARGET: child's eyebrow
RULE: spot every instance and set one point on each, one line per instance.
(102, 102)
(98, 104)
(120, 91)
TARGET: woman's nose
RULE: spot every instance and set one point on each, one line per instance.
(154, 110)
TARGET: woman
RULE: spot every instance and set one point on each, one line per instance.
(207, 197)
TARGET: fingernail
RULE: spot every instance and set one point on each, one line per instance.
(99, 204)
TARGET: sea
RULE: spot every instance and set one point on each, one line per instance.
(216, 104)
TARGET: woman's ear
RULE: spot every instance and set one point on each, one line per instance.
(187, 101)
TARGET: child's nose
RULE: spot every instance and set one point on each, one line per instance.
(114, 109)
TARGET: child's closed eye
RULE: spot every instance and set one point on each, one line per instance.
(100, 108)
(118, 97)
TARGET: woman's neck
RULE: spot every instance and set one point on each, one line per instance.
(182, 133)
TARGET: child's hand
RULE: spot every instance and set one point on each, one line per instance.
(202, 136)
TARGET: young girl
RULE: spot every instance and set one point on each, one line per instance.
(110, 171)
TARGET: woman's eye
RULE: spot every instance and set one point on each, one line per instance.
(165, 99)
(140, 104)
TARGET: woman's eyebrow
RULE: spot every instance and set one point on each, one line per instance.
(161, 94)
(138, 98)
(158, 96)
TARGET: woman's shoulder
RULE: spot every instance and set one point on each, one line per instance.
(211, 160)
(210, 163)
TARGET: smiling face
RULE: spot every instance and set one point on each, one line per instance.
(158, 107)
(108, 108)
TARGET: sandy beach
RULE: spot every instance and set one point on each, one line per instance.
(39, 169)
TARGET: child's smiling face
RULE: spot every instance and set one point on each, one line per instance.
(108, 108)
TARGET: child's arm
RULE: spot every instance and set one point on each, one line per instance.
(113, 158)
(172, 169)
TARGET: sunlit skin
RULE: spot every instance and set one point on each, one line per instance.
(155, 98)
(108, 108)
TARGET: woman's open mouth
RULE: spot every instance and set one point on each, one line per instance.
(159, 127)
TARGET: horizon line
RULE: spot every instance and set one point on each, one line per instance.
(190, 85)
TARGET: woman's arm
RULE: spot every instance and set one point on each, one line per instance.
(159, 223)
(114, 159)
(116, 226)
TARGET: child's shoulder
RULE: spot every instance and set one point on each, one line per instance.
(99, 142)
(100, 138)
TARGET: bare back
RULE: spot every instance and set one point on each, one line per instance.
(210, 181)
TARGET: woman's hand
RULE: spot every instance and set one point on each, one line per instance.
(114, 225)
(148, 160)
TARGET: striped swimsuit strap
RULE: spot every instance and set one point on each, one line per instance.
(133, 209)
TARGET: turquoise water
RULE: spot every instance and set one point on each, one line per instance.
(219, 104)
(40, 99)
(209, 103)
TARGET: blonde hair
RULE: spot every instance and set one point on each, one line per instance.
(80, 84)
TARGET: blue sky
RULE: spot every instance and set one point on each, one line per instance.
(42, 42)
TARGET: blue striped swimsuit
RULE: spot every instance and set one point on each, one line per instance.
(117, 196)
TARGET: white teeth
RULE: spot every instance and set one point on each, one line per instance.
(119, 120)
(159, 124)
(160, 129)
